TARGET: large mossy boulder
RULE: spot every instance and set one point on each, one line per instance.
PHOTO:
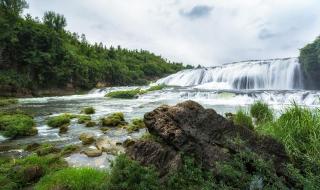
(87, 138)
(88, 110)
(124, 94)
(114, 120)
(190, 129)
(17, 125)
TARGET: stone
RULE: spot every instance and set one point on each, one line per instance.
(90, 152)
(64, 128)
(106, 145)
(33, 173)
(87, 138)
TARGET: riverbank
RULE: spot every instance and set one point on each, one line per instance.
(183, 147)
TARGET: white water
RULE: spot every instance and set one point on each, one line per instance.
(276, 74)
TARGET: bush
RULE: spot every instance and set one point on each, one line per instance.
(190, 176)
(130, 175)
(88, 110)
(261, 112)
(113, 120)
(17, 125)
(243, 119)
(7, 101)
(124, 94)
(83, 119)
(74, 179)
(59, 121)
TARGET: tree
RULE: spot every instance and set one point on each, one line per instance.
(12, 7)
(54, 20)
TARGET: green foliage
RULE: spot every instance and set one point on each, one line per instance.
(19, 173)
(69, 150)
(83, 119)
(41, 55)
(190, 176)
(124, 94)
(298, 129)
(135, 125)
(130, 175)
(74, 179)
(261, 112)
(45, 149)
(7, 101)
(59, 120)
(243, 119)
(88, 110)
(310, 62)
(113, 120)
(17, 125)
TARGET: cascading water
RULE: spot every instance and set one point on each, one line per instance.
(275, 74)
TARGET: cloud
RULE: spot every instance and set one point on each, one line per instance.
(197, 11)
(195, 31)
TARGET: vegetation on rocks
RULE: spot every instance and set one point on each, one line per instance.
(17, 125)
(83, 119)
(59, 120)
(135, 125)
(88, 110)
(130, 94)
(113, 120)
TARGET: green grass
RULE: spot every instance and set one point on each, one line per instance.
(124, 94)
(88, 110)
(298, 129)
(113, 120)
(261, 112)
(130, 175)
(18, 173)
(59, 120)
(74, 179)
(242, 118)
(17, 125)
(7, 101)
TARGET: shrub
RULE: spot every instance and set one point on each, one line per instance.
(7, 101)
(113, 120)
(261, 112)
(83, 119)
(243, 119)
(59, 120)
(130, 175)
(124, 94)
(17, 125)
(74, 179)
(190, 176)
(88, 110)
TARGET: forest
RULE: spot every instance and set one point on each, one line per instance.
(39, 53)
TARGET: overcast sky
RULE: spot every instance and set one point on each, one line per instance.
(206, 32)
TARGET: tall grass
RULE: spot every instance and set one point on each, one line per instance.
(298, 129)
(261, 112)
(242, 118)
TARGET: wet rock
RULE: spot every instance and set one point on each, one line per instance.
(87, 138)
(90, 124)
(128, 142)
(90, 152)
(209, 137)
(108, 146)
(163, 157)
(64, 128)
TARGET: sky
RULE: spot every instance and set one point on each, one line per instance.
(205, 32)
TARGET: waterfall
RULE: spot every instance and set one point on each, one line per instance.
(275, 74)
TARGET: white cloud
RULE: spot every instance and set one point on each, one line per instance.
(223, 31)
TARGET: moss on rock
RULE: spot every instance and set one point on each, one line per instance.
(83, 118)
(17, 125)
(88, 110)
(59, 120)
(113, 120)
(124, 94)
